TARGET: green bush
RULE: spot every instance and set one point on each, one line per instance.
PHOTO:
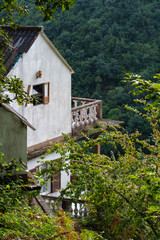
(24, 222)
(122, 191)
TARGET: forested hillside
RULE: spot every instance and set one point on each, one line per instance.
(102, 40)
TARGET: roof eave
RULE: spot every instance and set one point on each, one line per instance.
(23, 119)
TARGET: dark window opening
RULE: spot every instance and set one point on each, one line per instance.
(41, 93)
(56, 182)
(38, 94)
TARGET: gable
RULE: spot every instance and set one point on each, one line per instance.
(22, 40)
(54, 49)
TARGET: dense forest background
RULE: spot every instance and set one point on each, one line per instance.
(102, 40)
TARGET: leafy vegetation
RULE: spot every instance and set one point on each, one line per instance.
(102, 40)
(106, 39)
(24, 222)
(18, 220)
(122, 190)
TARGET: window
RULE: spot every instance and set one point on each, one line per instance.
(46, 188)
(41, 93)
(73, 178)
(56, 182)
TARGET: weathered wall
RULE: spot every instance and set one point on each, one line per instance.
(13, 136)
(50, 120)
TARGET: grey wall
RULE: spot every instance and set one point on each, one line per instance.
(13, 136)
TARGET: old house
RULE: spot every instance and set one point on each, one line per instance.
(47, 76)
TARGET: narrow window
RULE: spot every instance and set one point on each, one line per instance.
(46, 188)
(56, 182)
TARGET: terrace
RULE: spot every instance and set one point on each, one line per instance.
(85, 112)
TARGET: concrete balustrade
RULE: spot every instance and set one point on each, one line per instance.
(85, 112)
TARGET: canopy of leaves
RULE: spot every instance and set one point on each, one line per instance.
(122, 190)
(102, 40)
(105, 39)
(25, 222)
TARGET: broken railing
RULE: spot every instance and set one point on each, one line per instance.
(78, 209)
(85, 112)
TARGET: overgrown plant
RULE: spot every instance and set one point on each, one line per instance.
(12, 190)
(122, 192)
(31, 223)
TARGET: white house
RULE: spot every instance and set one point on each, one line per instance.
(47, 76)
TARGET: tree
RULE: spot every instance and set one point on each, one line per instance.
(122, 190)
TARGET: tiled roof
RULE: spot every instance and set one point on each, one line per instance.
(22, 40)
(12, 110)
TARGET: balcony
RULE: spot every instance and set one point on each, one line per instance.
(85, 112)
(78, 209)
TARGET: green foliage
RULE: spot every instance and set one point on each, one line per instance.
(49, 7)
(122, 191)
(11, 88)
(12, 190)
(105, 39)
(24, 222)
(122, 194)
(20, 221)
(11, 193)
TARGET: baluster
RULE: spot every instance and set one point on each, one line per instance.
(90, 115)
(78, 207)
(85, 211)
(47, 201)
(75, 103)
(76, 210)
(88, 209)
(81, 210)
(95, 113)
(86, 116)
(72, 209)
(73, 120)
(51, 204)
(77, 119)
(82, 116)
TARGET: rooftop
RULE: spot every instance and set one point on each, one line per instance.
(12, 110)
(22, 40)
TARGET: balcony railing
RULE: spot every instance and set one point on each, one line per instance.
(85, 112)
(78, 209)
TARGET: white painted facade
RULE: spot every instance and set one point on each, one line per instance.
(52, 119)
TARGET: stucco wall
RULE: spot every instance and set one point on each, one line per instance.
(50, 120)
(13, 136)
